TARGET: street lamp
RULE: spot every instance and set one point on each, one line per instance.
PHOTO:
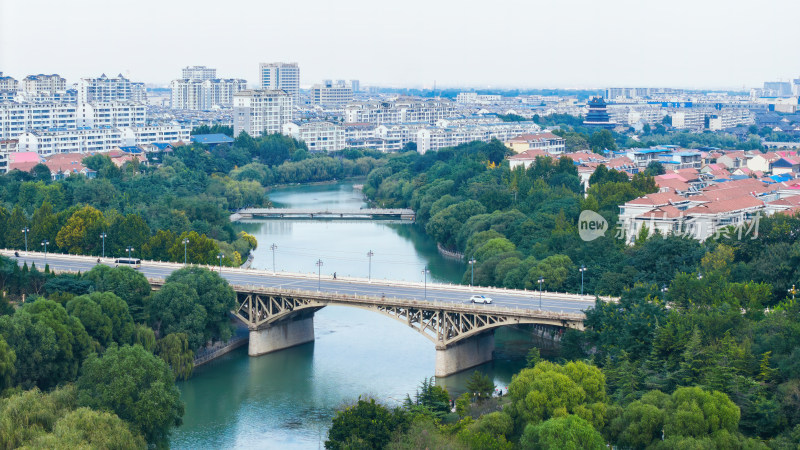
(541, 280)
(219, 257)
(129, 249)
(273, 247)
(370, 254)
(582, 269)
(185, 242)
(425, 272)
(472, 269)
(44, 243)
(25, 230)
(103, 237)
(319, 273)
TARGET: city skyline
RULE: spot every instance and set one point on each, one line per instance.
(577, 45)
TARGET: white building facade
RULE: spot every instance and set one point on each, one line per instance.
(81, 140)
(280, 76)
(318, 136)
(201, 95)
(261, 112)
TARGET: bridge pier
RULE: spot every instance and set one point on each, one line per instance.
(284, 334)
(464, 354)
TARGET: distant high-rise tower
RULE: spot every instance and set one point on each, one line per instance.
(201, 73)
(598, 115)
(280, 76)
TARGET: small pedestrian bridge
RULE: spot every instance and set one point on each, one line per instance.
(325, 214)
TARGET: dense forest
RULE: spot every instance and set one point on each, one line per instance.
(90, 360)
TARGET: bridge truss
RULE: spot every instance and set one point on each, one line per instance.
(443, 323)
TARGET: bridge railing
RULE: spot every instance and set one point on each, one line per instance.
(372, 300)
(487, 290)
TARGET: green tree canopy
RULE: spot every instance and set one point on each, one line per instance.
(135, 385)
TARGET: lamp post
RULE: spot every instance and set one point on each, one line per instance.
(129, 249)
(472, 270)
(370, 254)
(219, 257)
(425, 272)
(541, 280)
(185, 242)
(44, 243)
(273, 247)
(103, 237)
(319, 273)
(582, 269)
(25, 231)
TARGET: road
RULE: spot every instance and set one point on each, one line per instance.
(404, 290)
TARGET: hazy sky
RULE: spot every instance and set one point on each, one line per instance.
(499, 43)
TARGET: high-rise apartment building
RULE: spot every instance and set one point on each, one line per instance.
(105, 89)
(36, 84)
(332, 95)
(205, 94)
(201, 73)
(261, 112)
(8, 84)
(283, 76)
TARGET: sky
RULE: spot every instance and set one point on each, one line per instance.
(703, 44)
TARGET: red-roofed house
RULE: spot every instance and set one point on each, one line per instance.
(526, 158)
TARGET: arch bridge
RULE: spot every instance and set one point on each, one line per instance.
(462, 333)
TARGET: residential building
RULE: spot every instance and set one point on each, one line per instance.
(105, 89)
(79, 140)
(436, 138)
(318, 136)
(204, 95)
(144, 135)
(546, 141)
(694, 120)
(281, 76)
(36, 84)
(111, 114)
(261, 112)
(7, 146)
(332, 95)
(8, 84)
(200, 73)
(17, 118)
(400, 111)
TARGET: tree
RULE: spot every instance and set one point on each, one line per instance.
(71, 340)
(602, 140)
(36, 349)
(550, 390)
(97, 324)
(367, 422)
(80, 234)
(174, 350)
(7, 360)
(199, 250)
(568, 433)
(86, 428)
(175, 308)
(215, 295)
(41, 172)
(135, 385)
(126, 283)
(479, 385)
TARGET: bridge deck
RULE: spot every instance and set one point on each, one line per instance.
(328, 213)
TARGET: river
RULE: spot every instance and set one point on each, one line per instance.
(286, 399)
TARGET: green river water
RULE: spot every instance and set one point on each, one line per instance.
(286, 400)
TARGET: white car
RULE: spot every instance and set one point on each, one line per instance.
(480, 299)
